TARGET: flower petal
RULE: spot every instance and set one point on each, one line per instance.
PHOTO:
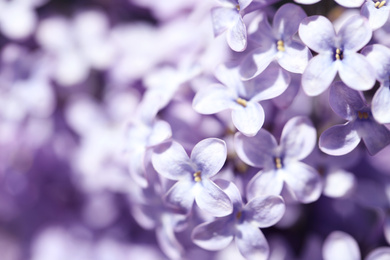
(232, 191)
(381, 253)
(256, 151)
(339, 139)
(236, 35)
(345, 101)
(379, 57)
(356, 72)
(265, 182)
(265, 211)
(210, 198)
(381, 104)
(251, 242)
(214, 235)
(298, 138)
(375, 136)
(248, 120)
(303, 180)
(171, 161)
(167, 241)
(223, 18)
(181, 196)
(319, 74)
(213, 99)
(209, 155)
(340, 246)
(295, 57)
(287, 19)
(350, 3)
(257, 61)
(355, 33)
(377, 17)
(317, 33)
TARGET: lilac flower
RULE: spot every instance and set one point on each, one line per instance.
(242, 225)
(342, 139)
(377, 12)
(281, 163)
(341, 246)
(379, 58)
(193, 175)
(242, 97)
(228, 17)
(277, 43)
(337, 53)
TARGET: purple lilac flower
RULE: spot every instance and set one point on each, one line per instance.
(281, 163)
(342, 139)
(377, 12)
(242, 224)
(277, 43)
(341, 246)
(193, 175)
(379, 58)
(337, 53)
(241, 97)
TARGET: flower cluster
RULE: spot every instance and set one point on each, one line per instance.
(197, 129)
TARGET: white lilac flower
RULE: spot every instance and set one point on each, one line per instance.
(379, 58)
(277, 43)
(377, 12)
(342, 139)
(193, 175)
(281, 163)
(341, 246)
(242, 97)
(337, 53)
(242, 225)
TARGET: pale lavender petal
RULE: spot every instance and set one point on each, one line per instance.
(381, 253)
(317, 33)
(307, 2)
(386, 227)
(236, 35)
(232, 191)
(345, 101)
(379, 57)
(257, 151)
(181, 196)
(231, 78)
(355, 33)
(350, 3)
(266, 182)
(340, 246)
(356, 71)
(167, 241)
(257, 61)
(319, 74)
(287, 19)
(295, 57)
(287, 97)
(171, 161)
(210, 198)
(298, 138)
(249, 119)
(377, 17)
(213, 99)
(339, 183)
(339, 139)
(161, 131)
(303, 180)
(214, 235)
(269, 84)
(264, 211)
(251, 242)
(137, 168)
(209, 155)
(244, 3)
(381, 104)
(375, 136)
(223, 18)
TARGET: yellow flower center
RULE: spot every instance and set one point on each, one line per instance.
(278, 163)
(197, 177)
(379, 4)
(363, 115)
(280, 45)
(238, 7)
(241, 101)
(339, 54)
(238, 215)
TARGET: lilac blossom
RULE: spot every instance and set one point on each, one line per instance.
(281, 163)
(277, 43)
(379, 58)
(337, 53)
(242, 224)
(377, 12)
(241, 97)
(193, 175)
(341, 246)
(342, 139)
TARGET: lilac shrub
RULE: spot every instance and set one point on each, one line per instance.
(199, 129)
